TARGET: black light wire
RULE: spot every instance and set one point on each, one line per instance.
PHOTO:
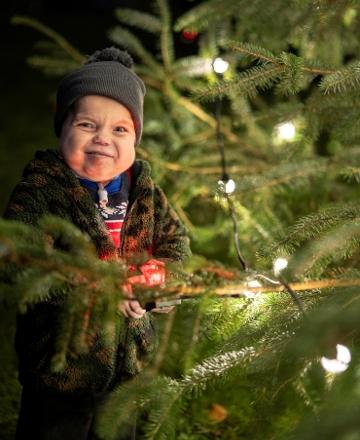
(232, 212)
(225, 178)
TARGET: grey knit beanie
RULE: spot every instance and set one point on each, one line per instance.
(107, 72)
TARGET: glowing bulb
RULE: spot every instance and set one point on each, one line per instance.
(279, 265)
(253, 283)
(249, 293)
(341, 363)
(220, 65)
(343, 354)
(286, 131)
(228, 186)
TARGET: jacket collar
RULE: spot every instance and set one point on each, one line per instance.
(49, 162)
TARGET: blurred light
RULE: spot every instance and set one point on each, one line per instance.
(341, 363)
(228, 186)
(279, 265)
(220, 65)
(199, 67)
(252, 283)
(249, 294)
(286, 131)
(349, 16)
(343, 354)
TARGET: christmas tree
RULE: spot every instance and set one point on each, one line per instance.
(255, 141)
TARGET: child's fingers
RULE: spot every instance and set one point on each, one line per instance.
(131, 309)
(136, 308)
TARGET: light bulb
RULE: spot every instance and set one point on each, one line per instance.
(286, 131)
(343, 354)
(251, 283)
(341, 363)
(279, 265)
(249, 294)
(228, 186)
(220, 65)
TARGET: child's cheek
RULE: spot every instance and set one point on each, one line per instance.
(73, 151)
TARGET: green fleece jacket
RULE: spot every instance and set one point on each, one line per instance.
(49, 186)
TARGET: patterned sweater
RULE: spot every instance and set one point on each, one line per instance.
(49, 186)
(113, 209)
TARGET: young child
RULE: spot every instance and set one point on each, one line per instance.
(94, 181)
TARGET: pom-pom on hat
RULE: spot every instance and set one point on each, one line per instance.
(107, 72)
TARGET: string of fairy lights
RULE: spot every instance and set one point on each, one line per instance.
(285, 131)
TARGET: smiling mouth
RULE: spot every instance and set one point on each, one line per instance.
(98, 154)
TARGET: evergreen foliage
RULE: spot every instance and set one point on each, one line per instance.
(243, 367)
(41, 264)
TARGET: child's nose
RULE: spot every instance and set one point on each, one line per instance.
(101, 139)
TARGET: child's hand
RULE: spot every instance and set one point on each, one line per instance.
(130, 308)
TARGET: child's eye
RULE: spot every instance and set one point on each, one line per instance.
(86, 124)
(120, 129)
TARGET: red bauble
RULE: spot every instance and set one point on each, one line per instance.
(189, 34)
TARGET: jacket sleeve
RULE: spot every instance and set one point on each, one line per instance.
(26, 204)
(171, 239)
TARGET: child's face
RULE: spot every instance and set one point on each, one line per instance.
(98, 138)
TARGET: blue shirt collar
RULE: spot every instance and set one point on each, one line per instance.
(111, 188)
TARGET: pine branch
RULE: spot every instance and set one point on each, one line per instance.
(61, 41)
(253, 52)
(284, 174)
(342, 80)
(119, 409)
(292, 80)
(246, 83)
(170, 395)
(338, 243)
(166, 40)
(142, 20)
(313, 225)
(287, 70)
(123, 38)
(285, 59)
(196, 110)
(205, 117)
(198, 17)
(166, 403)
(213, 368)
(52, 66)
(351, 174)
